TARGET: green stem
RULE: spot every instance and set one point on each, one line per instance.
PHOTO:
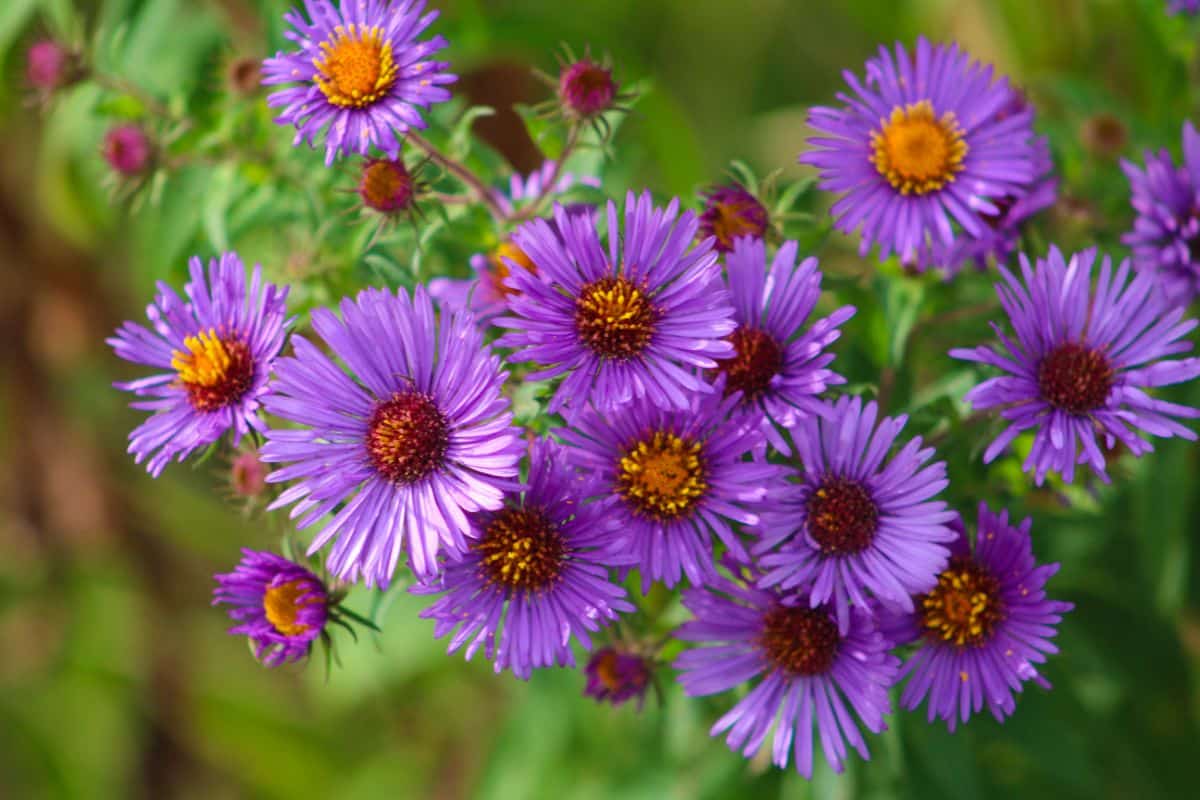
(460, 171)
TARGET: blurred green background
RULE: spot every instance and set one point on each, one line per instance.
(116, 677)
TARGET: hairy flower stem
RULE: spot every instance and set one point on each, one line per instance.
(460, 171)
(534, 208)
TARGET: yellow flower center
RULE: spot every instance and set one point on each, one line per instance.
(500, 270)
(521, 549)
(283, 602)
(663, 476)
(614, 318)
(357, 67)
(965, 606)
(917, 151)
(215, 370)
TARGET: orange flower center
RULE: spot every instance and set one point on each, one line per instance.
(663, 476)
(356, 67)
(965, 606)
(283, 602)
(500, 268)
(917, 151)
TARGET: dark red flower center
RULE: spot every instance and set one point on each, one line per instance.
(614, 318)
(407, 437)
(799, 641)
(521, 549)
(964, 608)
(842, 517)
(215, 370)
(758, 358)
(1075, 378)
(732, 212)
(386, 186)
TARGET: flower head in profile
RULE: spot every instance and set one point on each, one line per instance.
(214, 347)
(360, 76)
(815, 679)
(616, 674)
(1183, 6)
(633, 319)
(779, 365)
(918, 146)
(731, 212)
(402, 444)
(1081, 361)
(486, 294)
(1166, 233)
(535, 575)
(985, 626)
(281, 606)
(679, 478)
(860, 522)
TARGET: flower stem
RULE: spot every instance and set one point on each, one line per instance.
(532, 209)
(460, 171)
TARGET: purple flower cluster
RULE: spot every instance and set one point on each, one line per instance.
(687, 433)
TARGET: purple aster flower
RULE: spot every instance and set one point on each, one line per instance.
(415, 436)
(857, 525)
(361, 74)
(536, 574)
(679, 478)
(281, 606)
(778, 366)
(216, 347)
(1183, 6)
(1081, 363)
(630, 321)
(920, 143)
(1166, 234)
(813, 674)
(983, 627)
(615, 675)
(731, 212)
(486, 294)
(1000, 236)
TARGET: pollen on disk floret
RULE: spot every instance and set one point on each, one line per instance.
(627, 314)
